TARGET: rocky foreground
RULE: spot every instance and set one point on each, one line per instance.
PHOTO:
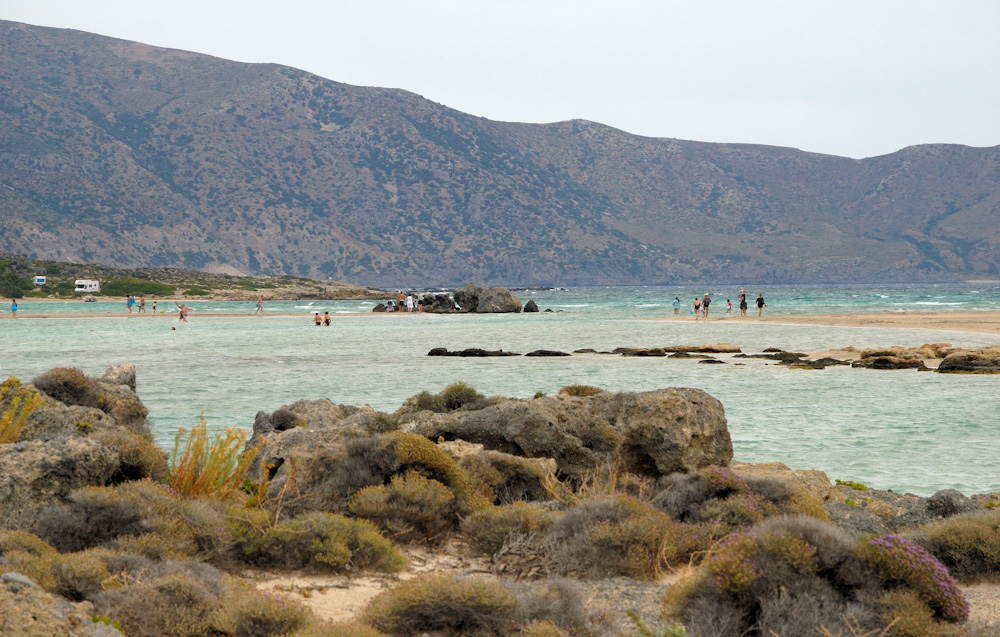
(459, 514)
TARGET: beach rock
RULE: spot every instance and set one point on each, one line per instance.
(38, 473)
(381, 307)
(688, 355)
(54, 419)
(585, 350)
(890, 362)
(124, 406)
(711, 361)
(819, 363)
(649, 433)
(531, 306)
(302, 413)
(547, 352)
(659, 351)
(948, 502)
(471, 351)
(123, 374)
(812, 481)
(706, 348)
(28, 611)
(970, 364)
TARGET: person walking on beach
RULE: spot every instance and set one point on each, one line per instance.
(184, 311)
(154, 307)
(260, 305)
(677, 305)
(13, 308)
(760, 304)
(696, 310)
(129, 301)
(704, 305)
(409, 302)
(326, 319)
(743, 302)
(142, 304)
(729, 306)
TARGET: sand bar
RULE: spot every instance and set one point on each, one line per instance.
(983, 322)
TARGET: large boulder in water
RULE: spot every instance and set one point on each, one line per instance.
(649, 433)
(971, 363)
(472, 298)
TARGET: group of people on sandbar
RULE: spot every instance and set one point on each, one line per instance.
(325, 320)
(700, 306)
(406, 303)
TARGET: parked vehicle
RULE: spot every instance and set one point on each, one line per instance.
(87, 285)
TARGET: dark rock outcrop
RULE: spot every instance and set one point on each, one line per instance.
(547, 352)
(970, 364)
(471, 351)
(531, 306)
(472, 298)
(889, 362)
(302, 413)
(438, 304)
(650, 433)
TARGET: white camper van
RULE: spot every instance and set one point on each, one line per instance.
(87, 285)
(39, 280)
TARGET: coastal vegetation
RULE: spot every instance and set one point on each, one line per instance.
(17, 274)
(157, 545)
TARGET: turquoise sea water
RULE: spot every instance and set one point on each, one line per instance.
(904, 430)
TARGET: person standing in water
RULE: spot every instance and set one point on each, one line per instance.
(705, 302)
(677, 305)
(260, 305)
(13, 308)
(184, 311)
(743, 302)
(697, 308)
(729, 306)
(129, 301)
(760, 304)
(326, 319)
(154, 307)
(142, 304)
(317, 321)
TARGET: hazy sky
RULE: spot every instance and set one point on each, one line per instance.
(854, 78)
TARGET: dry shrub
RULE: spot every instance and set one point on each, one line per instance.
(20, 403)
(455, 396)
(139, 456)
(348, 629)
(410, 508)
(968, 544)
(313, 540)
(70, 386)
(511, 478)
(489, 529)
(556, 601)
(416, 452)
(135, 514)
(247, 612)
(581, 391)
(619, 535)
(210, 467)
(542, 628)
(75, 576)
(796, 575)
(172, 606)
(447, 603)
(721, 498)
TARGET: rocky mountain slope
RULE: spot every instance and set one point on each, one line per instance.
(128, 154)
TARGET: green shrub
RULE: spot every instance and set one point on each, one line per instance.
(511, 478)
(69, 385)
(75, 576)
(123, 286)
(315, 540)
(25, 543)
(139, 456)
(13, 286)
(581, 391)
(968, 545)
(458, 395)
(797, 575)
(411, 507)
(455, 605)
(857, 486)
(489, 529)
(197, 290)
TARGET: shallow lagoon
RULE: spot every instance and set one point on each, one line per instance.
(903, 430)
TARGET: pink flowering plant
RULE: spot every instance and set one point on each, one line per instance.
(901, 562)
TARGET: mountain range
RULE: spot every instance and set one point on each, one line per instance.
(126, 154)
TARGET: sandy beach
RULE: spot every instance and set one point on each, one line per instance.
(983, 322)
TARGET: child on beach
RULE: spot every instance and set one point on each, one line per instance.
(729, 306)
(13, 308)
